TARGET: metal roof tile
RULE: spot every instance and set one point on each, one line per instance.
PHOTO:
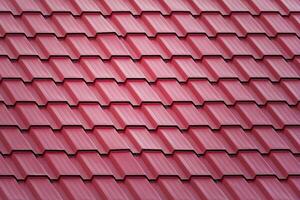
(76, 189)
(141, 188)
(241, 189)
(149, 99)
(207, 188)
(273, 189)
(12, 140)
(176, 189)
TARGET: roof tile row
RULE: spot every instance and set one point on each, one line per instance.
(137, 92)
(54, 165)
(152, 115)
(136, 46)
(137, 140)
(164, 188)
(151, 69)
(150, 24)
(136, 7)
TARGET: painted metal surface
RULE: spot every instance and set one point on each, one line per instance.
(157, 99)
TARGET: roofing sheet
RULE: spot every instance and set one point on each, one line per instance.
(161, 99)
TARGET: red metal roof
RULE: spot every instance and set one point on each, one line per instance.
(137, 99)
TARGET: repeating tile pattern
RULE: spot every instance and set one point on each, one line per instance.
(151, 69)
(149, 24)
(161, 99)
(138, 46)
(138, 7)
(200, 140)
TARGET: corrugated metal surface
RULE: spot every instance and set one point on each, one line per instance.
(149, 99)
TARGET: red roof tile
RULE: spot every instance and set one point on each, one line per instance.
(149, 99)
